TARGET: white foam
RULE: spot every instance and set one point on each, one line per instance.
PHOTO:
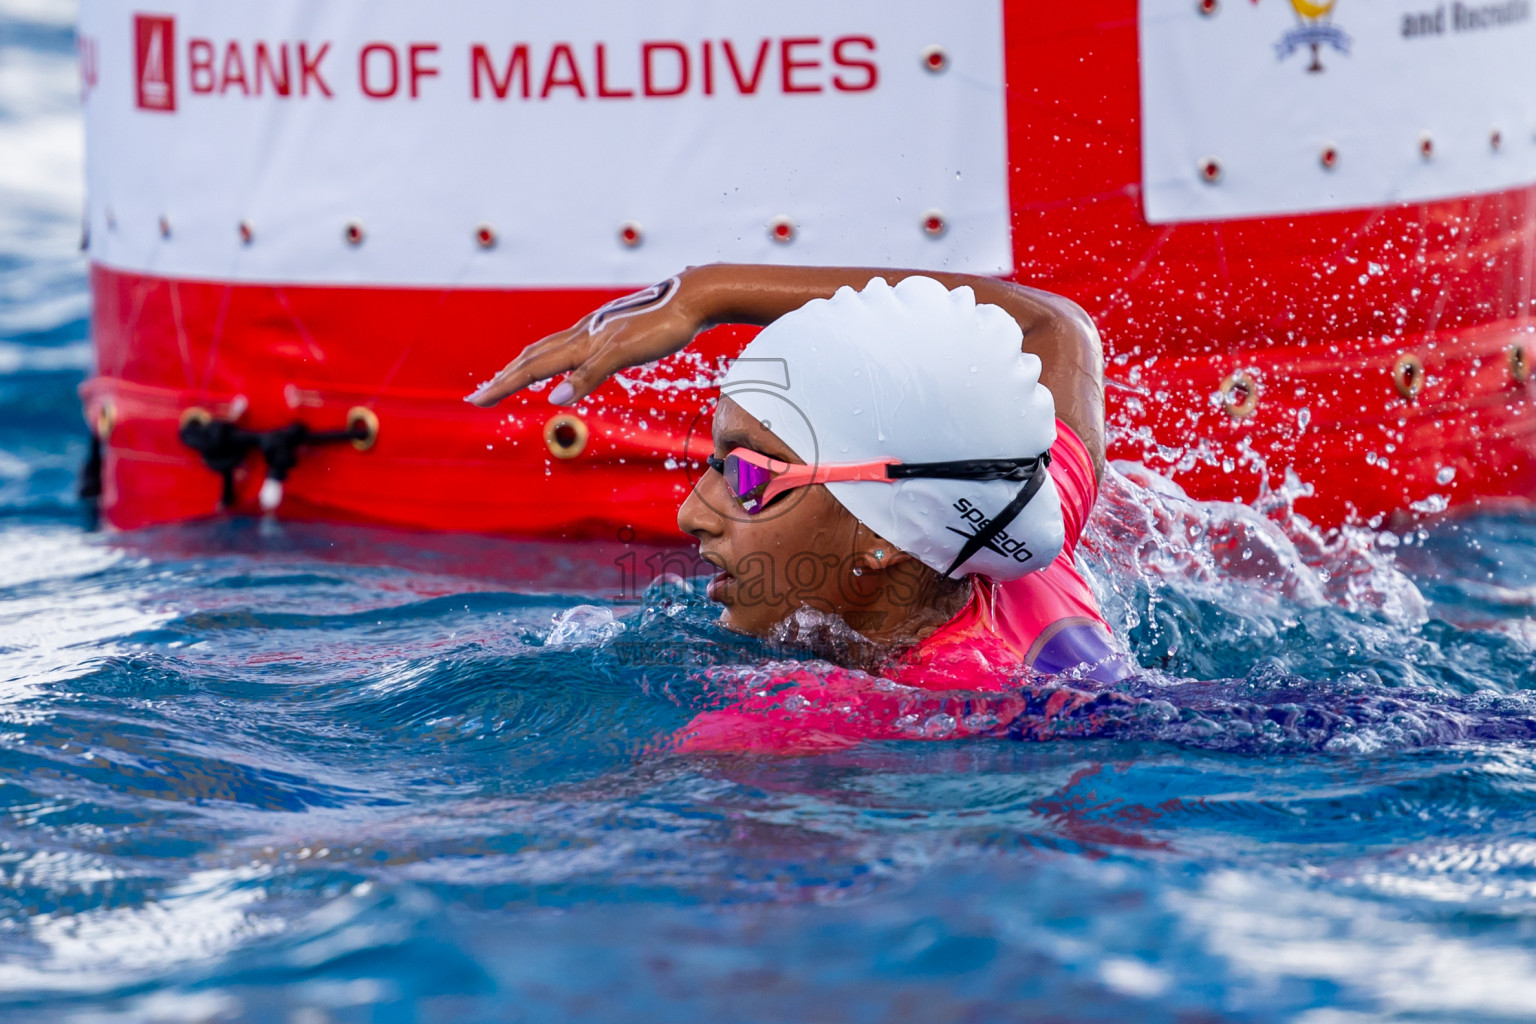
(1147, 526)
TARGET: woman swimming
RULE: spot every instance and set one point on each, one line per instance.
(915, 454)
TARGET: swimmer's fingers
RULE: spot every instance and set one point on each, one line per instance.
(608, 360)
(642, 339)
(587, 360)
(592, 356)
(541, 360)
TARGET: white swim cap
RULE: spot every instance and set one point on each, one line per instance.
(917, 373)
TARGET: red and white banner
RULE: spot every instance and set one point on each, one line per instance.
(1262, 107)
(481, 143)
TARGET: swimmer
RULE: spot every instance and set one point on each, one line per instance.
(913, 453)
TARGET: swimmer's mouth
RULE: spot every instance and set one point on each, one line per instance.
(720, 587)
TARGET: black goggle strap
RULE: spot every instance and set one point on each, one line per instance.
(970, 469)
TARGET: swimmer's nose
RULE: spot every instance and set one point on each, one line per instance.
(696, 518)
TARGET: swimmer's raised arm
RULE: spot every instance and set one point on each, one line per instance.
(664, 318)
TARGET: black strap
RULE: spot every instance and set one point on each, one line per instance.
(970, 469)
(1000, 521)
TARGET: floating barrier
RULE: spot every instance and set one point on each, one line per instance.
(1305, 230)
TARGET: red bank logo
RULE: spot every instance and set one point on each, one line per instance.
(154, 49)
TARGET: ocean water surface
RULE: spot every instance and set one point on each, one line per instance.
(273, 772)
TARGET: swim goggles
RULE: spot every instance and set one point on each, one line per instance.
(757, 480)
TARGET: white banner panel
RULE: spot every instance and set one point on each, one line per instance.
(589, 142)
(1254, 107)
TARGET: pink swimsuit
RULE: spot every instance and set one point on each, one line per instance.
(1047, 622)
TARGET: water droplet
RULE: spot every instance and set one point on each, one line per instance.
(1445, 475)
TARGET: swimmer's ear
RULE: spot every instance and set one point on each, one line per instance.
(876, 554)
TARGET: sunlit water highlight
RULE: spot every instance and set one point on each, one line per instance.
(273, 772)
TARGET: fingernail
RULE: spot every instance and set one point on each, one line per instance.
(562, 394)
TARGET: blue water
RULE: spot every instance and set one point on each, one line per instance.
(266, 772)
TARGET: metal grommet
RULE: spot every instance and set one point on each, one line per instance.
(1426, 146)
(485, 236)
(1240, 395)
(369, 420)
(165, 226)
(196, 414)
(1210, 170)
(1519, 362)
(1207, 7)
(781, 229)
(246, 234)
(1408, 375)
(934, 224)
(935, 60)
(1329, 157)
(353, 233)
(630, 234)
(106, 419)
(566, 435)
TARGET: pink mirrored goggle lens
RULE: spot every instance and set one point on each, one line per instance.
(747, 482)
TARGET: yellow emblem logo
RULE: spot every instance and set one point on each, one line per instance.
(1314, 29)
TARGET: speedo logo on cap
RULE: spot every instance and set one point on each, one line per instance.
(1002, 543)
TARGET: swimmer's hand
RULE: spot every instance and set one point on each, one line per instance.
(638, 328)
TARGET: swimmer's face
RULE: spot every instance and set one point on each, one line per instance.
(800, 550)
